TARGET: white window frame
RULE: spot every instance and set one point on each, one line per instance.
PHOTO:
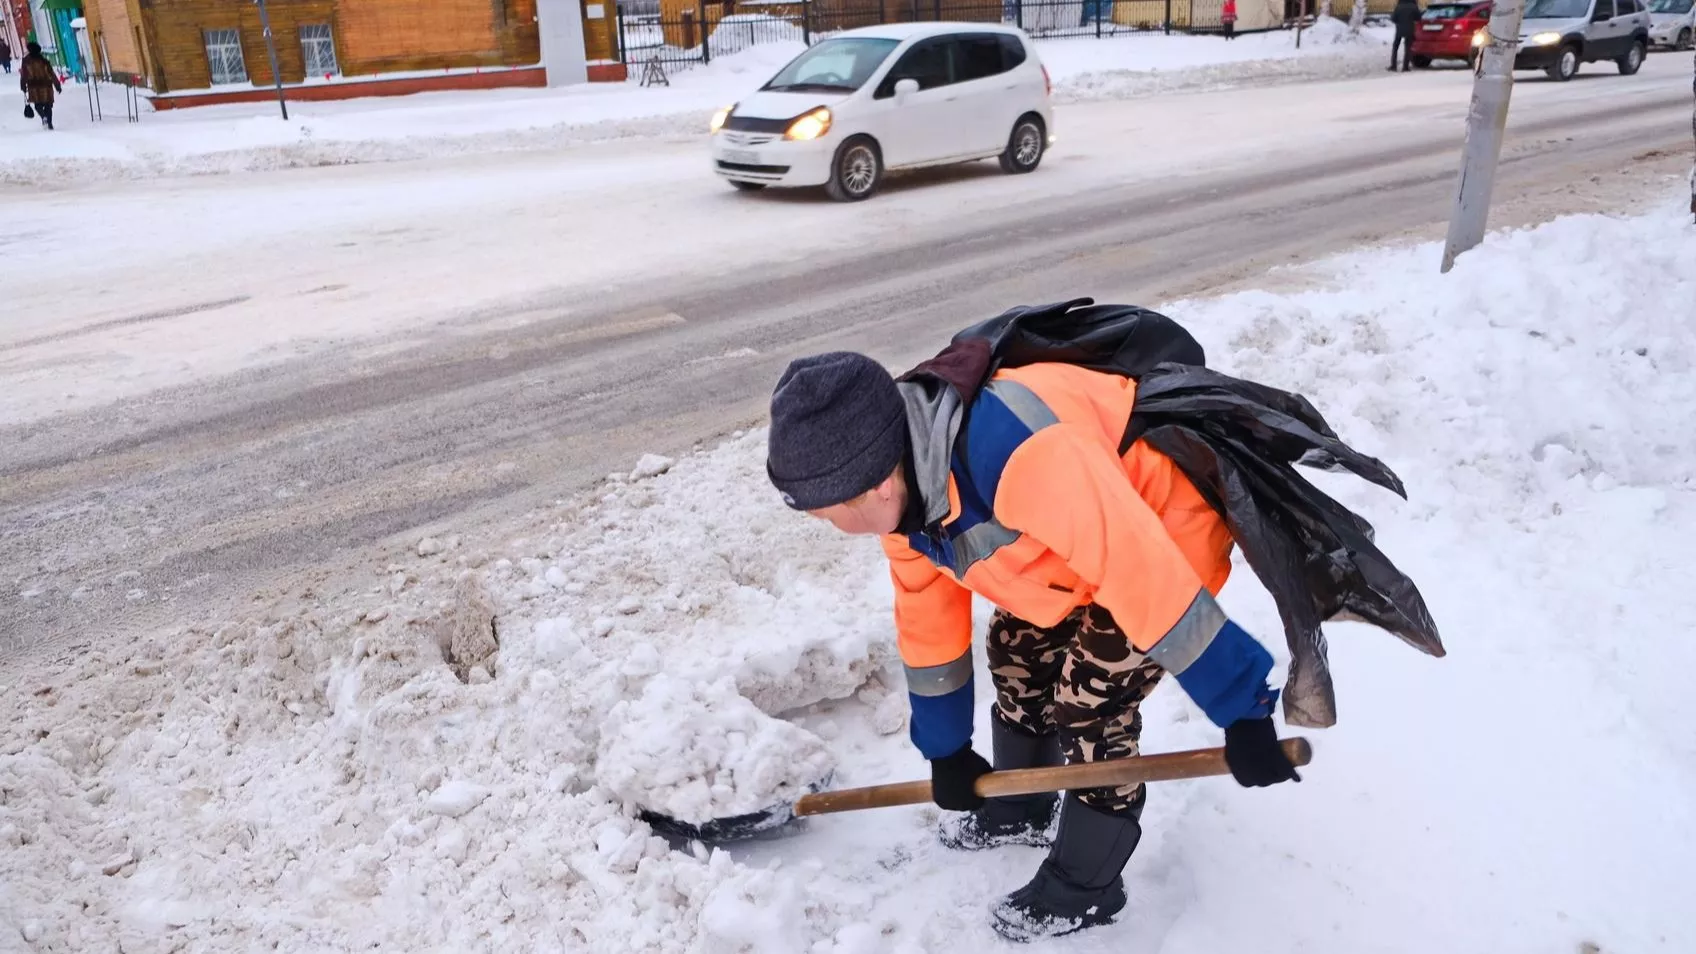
(326, 46)
(218, 55)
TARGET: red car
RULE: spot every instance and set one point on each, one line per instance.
(1445, 32)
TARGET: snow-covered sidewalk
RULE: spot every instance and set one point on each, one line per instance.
(253, 136)
(404, 775)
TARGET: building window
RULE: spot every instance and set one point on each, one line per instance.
(319, 50)
(223, 52)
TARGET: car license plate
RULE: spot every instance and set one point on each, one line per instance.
(744, 157)
(1434, 27)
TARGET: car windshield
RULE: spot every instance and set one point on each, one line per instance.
(1669, 6)
(1447, 11)
(842, 64)
(1557, 9)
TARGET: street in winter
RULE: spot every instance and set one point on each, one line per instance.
(550, 489)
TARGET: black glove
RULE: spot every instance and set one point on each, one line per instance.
(952, 778)
(1254, 755)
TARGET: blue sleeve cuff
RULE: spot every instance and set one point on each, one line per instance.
(1228, 679)
(942, 725)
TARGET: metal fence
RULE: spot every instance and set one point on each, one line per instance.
(676, 34)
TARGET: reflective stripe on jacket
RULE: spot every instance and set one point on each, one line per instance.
(1043, 516)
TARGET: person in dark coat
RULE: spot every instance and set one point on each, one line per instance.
(1406, 18)
(39, 81)
(5, 55)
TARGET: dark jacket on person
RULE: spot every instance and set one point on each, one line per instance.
(37, 78)
(1405, 15)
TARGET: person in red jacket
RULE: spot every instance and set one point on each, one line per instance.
(1104, 568)
(1228, 17)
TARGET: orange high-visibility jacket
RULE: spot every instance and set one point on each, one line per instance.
(1033, 508)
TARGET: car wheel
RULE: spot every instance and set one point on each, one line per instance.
(1422, 62)
(1566, 67)
(1632, 61)
(856, 171)
(1024, 147)
(747, 186)
(1472, 60)
(1683, 42)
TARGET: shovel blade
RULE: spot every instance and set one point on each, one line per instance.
(721, 830)
(731, 828)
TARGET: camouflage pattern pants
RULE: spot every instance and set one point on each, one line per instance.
(1081, 679)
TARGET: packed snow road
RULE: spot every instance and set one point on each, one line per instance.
(210, 385)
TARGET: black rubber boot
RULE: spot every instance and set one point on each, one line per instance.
(1080, 883)
(1017, 820)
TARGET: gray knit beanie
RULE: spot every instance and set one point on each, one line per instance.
(838, 428)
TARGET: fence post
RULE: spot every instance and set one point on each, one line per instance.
(1168, 17)
(706, 34)
(1098, 18)
(807, 22)
(1019, 13)
(618, 30)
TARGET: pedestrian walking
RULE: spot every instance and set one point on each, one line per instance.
(39, 81)
(1228, 16)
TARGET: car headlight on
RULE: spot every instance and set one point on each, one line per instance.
(811, 126)
(721, 117)
(1480, 38)
(1545, 39)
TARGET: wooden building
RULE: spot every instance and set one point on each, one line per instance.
(175, 45)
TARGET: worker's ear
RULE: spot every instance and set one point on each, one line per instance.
(886, 489)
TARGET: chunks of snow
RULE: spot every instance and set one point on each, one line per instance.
(697, 751)
(456, 798)
(651, 465)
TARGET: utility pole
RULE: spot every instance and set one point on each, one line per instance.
(1486, 123)
(271, 51)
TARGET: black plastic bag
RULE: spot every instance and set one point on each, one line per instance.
(1116, 339)
(1239, 442)
(29, 111)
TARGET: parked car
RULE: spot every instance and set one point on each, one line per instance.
(1558, 35)
(1446, 32)
(901, 96)
(1672, 23)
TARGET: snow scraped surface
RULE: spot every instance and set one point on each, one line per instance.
(276, 784)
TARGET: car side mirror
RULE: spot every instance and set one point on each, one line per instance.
(905, 88)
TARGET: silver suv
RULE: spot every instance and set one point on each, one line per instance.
(1558, 35)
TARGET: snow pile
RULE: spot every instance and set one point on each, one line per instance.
(1138, 65)
(233, 138)
(745, 31)
(426, 772)
(334, 781)
(697, 751)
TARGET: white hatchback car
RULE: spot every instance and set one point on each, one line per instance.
(1673, 24)
(890, 97)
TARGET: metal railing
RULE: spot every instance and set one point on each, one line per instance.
(677, 34)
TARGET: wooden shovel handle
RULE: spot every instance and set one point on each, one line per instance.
(1166, 767)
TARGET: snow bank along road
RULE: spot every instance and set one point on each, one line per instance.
(207, 384)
